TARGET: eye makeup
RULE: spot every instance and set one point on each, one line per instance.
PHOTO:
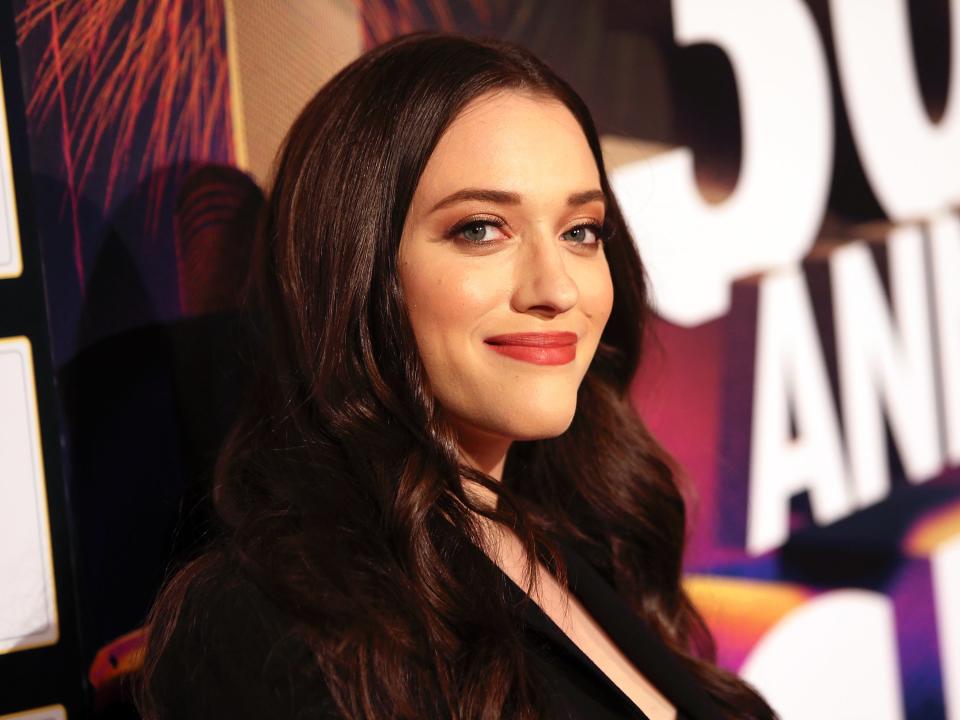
(601, 231)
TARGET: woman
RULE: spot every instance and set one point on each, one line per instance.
(439, 501)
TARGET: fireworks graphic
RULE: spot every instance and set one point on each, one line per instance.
(115, 71)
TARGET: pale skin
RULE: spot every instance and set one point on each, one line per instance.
(530, 260)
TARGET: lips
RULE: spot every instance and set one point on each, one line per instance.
(548, 339)
(552, 348)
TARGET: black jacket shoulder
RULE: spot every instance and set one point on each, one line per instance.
(229, 653)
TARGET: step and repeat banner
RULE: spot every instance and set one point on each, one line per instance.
(790, 170)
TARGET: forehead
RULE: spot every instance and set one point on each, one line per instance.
(512, 141)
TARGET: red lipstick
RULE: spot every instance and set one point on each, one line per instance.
(551, 348)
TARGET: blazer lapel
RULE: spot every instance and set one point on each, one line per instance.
(636, 640)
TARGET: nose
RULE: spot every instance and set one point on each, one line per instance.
(542, 283)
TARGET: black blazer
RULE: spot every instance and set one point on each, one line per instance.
(233, 655)
(584, 691)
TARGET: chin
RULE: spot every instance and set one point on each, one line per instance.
(531, 423)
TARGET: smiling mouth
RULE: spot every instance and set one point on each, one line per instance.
(552, 348)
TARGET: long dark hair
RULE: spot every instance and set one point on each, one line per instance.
(340, 486)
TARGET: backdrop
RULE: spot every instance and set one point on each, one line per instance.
(789, 168)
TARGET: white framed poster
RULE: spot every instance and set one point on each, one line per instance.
(11, 261)
(28, 610)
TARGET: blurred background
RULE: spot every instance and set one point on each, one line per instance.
(790, 170)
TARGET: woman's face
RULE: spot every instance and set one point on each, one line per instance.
(505, 278)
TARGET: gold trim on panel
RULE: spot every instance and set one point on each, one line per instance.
(11, 258)
(236, 97)
(48, 712)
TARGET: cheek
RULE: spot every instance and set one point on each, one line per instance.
(596, 293)
(446, 302)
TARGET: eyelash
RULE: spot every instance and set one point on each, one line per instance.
(603, 232)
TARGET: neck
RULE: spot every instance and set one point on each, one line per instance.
(488, 454)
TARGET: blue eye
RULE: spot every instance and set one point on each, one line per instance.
(475, 232)
(588, 234)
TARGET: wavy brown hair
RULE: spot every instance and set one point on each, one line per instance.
(340, 486)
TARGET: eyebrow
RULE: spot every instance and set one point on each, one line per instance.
(504, 197)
